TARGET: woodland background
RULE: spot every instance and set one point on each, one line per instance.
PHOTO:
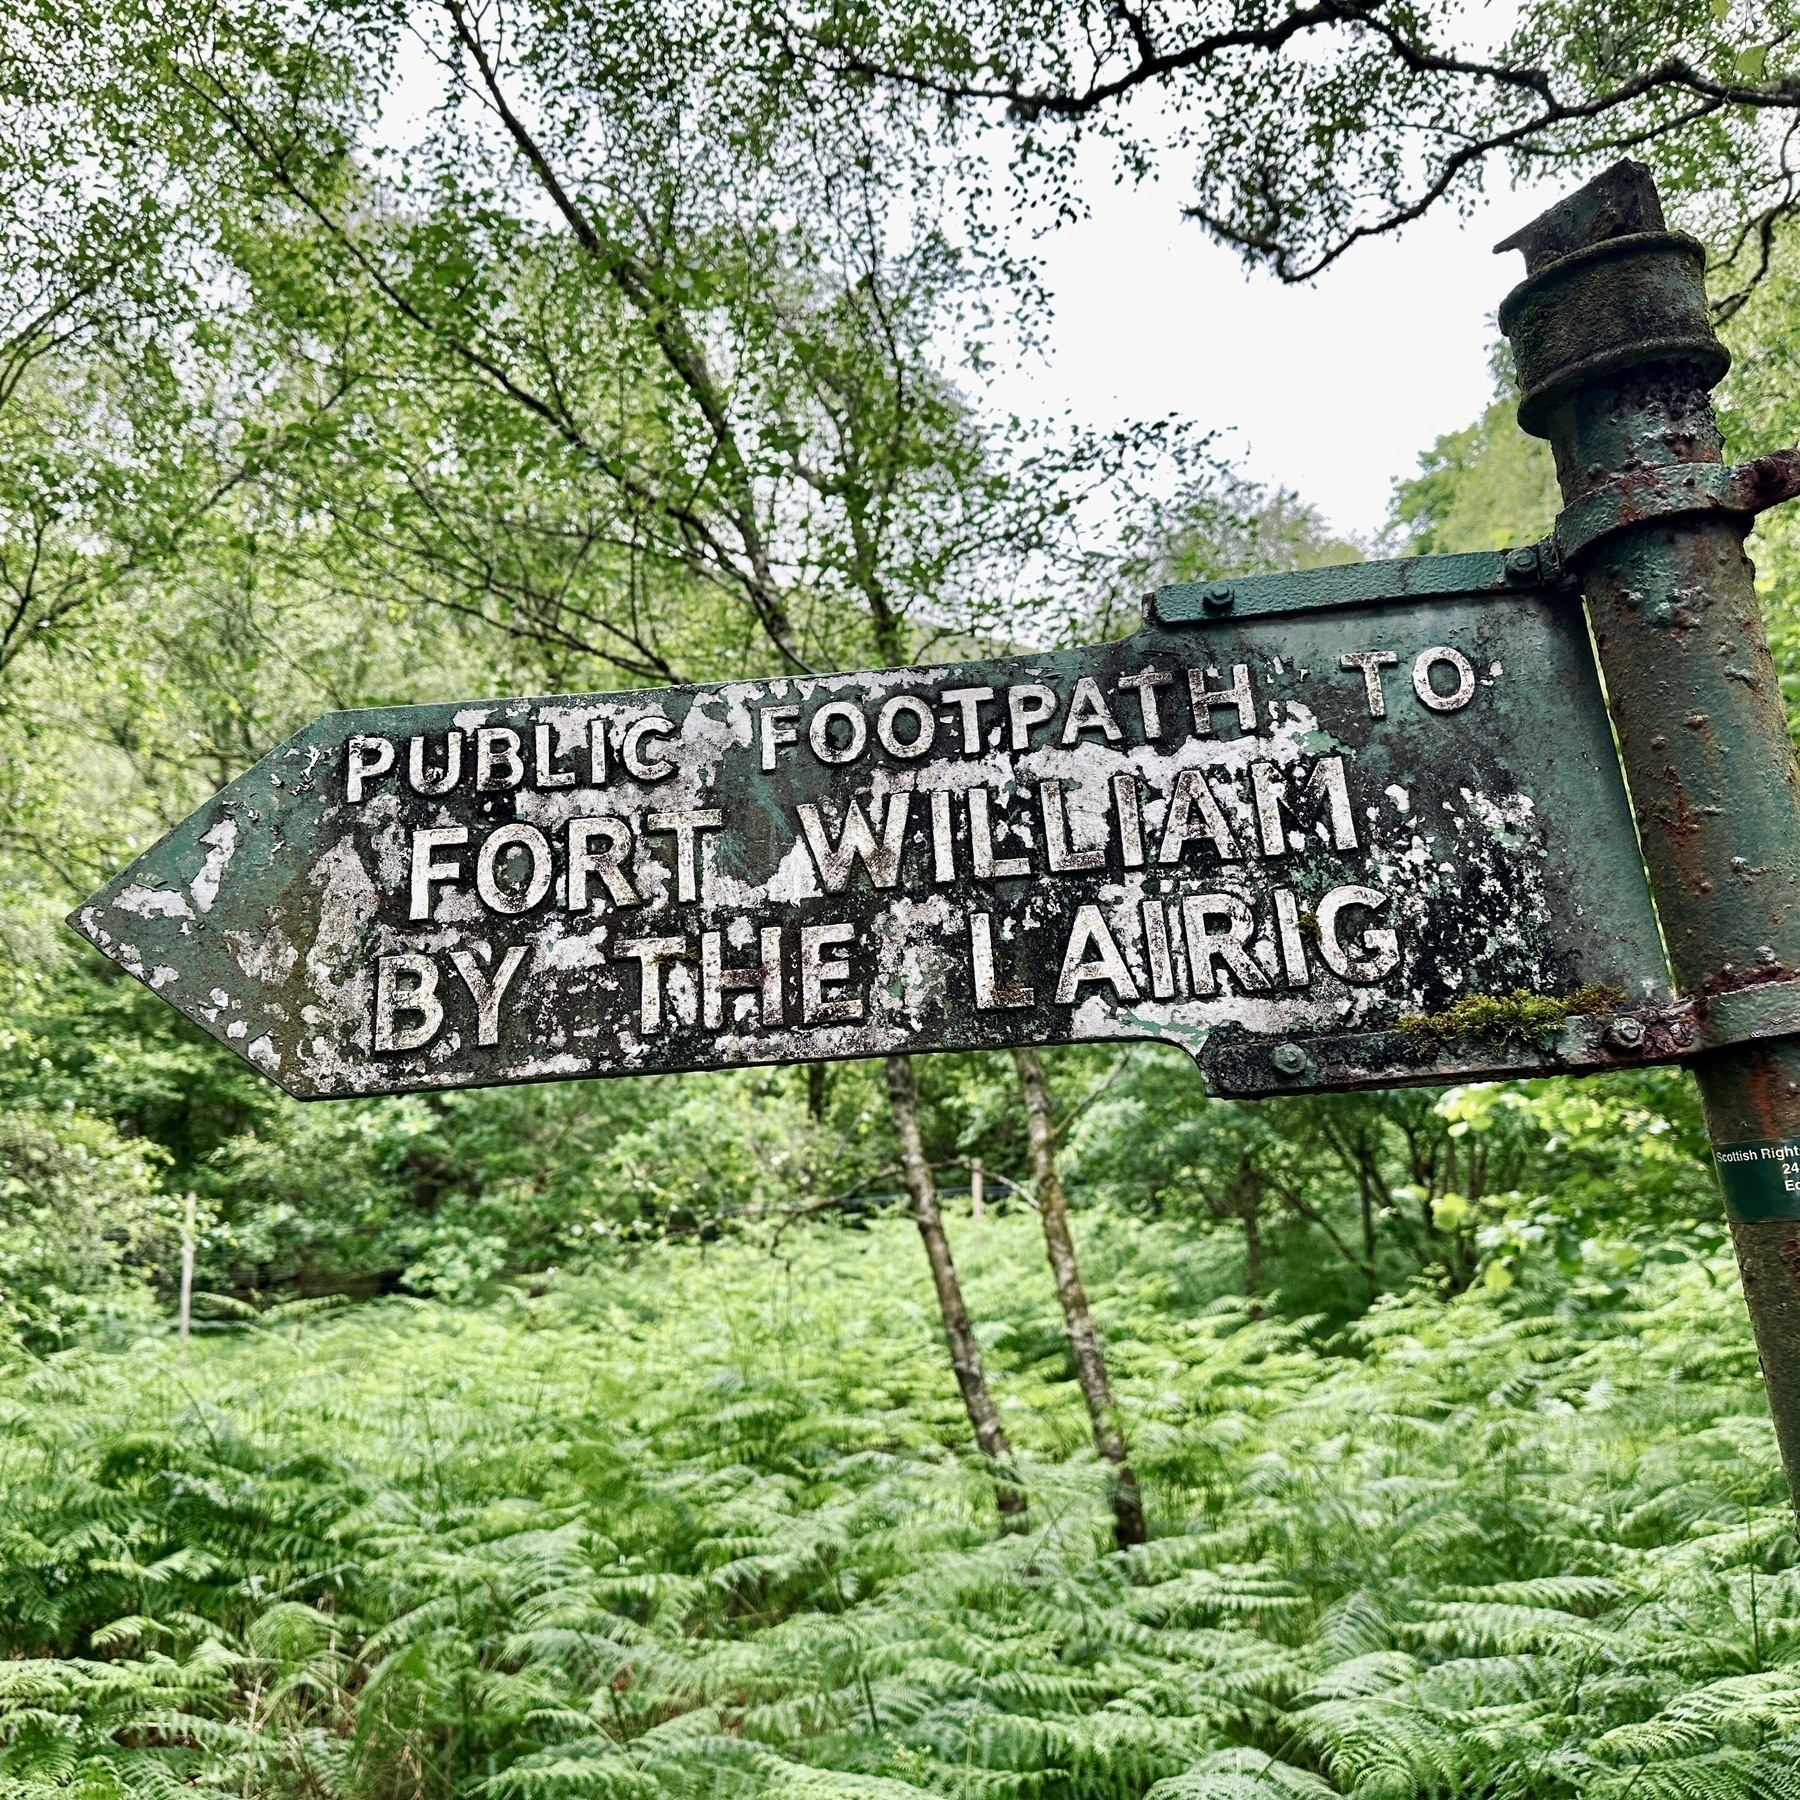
(601, 1440)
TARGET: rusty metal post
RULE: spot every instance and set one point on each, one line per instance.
(1616, 358)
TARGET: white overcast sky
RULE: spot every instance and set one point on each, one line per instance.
(1331, 389)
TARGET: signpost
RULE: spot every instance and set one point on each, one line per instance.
(1616, 357)
(1347, 828)
(1292, 825)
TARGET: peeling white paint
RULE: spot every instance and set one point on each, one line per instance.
(151, 903)
(221, 843)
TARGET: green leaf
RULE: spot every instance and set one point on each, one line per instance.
(1448, 1211)
(1751, 62)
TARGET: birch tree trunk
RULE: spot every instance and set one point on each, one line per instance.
(965, 1353)
(1084, 1335)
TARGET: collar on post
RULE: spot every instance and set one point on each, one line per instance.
(1608, 288)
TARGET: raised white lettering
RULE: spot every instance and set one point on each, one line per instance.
(1371, 662)
(1146, 682)
(880, 855)
(1027, 705)
(984, 864)
(1464, 690)
(1057, 854)
(1229, 946)
(487, 994)
(1269, 792)
(365, 758)
(497, 760)
(607, 862)
(1088, 711)
(818, 733)
(426, 868)
(716, 980)
(1156, 950)
(684, 825)
(817, 971)
(969, 701)
(545, 773)
(651, 954)
(943, 840)
(1090, 932)
(452, 772)
(487, 869)
(638, 765)
(924, 727)
(1380, 950)
(1327, 786)
(1327, 783)
(990, 995)
(776, 726)
(419, 996)
(1287, 935)
(1129, 811)
(1205, 698)
(1191, 795)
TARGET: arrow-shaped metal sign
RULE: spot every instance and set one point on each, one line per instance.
(1290, 817)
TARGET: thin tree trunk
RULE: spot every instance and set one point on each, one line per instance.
(1368, 1231)
(187, 1271)
(1084, 1335)
(1250, 1212)
(815, 1091)
(965, 1353)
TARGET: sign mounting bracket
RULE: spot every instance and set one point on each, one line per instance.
(1465, 574)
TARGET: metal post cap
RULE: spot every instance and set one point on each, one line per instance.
(1609, 288)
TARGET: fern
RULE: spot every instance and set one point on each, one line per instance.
(670, 1534)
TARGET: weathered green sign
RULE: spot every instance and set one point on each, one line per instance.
(1295, 825)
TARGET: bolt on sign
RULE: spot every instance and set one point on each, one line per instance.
(1292, 825)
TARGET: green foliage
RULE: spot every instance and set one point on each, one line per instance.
(83, 1223)
(700, 1522)
(1760, 412)
(1218, 523)
(1624, 1171)
(678, 374)
(1292, 158)
(1320, 1204)
(105, 1730)
(1520, 1017)
(654, 1482)
(1335, 1200)
(1486, 487)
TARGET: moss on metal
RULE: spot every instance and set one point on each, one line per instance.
(1516, 1018)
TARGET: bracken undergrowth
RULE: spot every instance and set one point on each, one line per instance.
(705, 1524)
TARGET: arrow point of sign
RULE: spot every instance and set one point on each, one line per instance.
(197, 917)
